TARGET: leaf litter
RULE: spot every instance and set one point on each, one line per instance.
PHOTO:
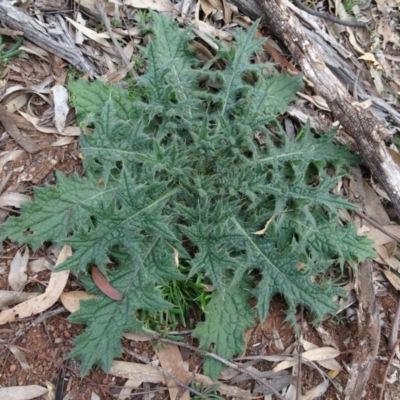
(213, 8)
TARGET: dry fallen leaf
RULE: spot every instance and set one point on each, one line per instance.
(317, 391)
(38, 88)
(12, 199)
(17, 276)
(393, 279)
(69, 130)
(156, 5)
(20, 357)
(42, 302)
(171, 361)
(16, 103)
(379, 237)
(10, 156)
(60, 95)
(22, 392)
(317, 354)
(137, 336)
(139, 373)
(102, 283)
(10, 297)
(71, 300)
(316, 100)
(97, 37)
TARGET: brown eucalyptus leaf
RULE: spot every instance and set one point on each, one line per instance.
(102, 283)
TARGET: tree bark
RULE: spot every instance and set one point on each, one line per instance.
(53, 37)
(365, 353)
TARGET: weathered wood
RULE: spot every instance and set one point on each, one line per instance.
(365, 353)
(53, 37)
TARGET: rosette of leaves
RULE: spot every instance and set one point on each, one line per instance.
(175, 169)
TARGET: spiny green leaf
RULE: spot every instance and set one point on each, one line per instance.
(228, 315)
(89, 99)
(56, 211)
(308, 149)
(279, 271)
(136, 209)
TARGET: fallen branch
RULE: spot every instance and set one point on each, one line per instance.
(53, 37)
(385, 373)
(365, 353)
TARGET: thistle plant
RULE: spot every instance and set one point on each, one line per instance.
(174, 175)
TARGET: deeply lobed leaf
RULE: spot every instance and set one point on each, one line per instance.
(173, 170)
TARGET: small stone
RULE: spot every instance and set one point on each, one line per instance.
(13, 368)
(58, 340)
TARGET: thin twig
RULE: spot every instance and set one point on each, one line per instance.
(300, 362)
(383, 383)
(223, 361)
(168, 375)
(377, 225)
(48, 314)
(106, 21)
(395, 327)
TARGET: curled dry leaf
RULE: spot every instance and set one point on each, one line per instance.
(102, 283)
(38, 88)
(9, 156)
(17, 276)
(60, 106)
(68, 131)
(42, 302)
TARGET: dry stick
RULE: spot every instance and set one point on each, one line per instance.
(327, 16)
(364, 356)
(223, 361)
(300, 362)
(395, 327)
(168, 375)
(376, 225)
(106, 21)
(62, 46)
(383, 383)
